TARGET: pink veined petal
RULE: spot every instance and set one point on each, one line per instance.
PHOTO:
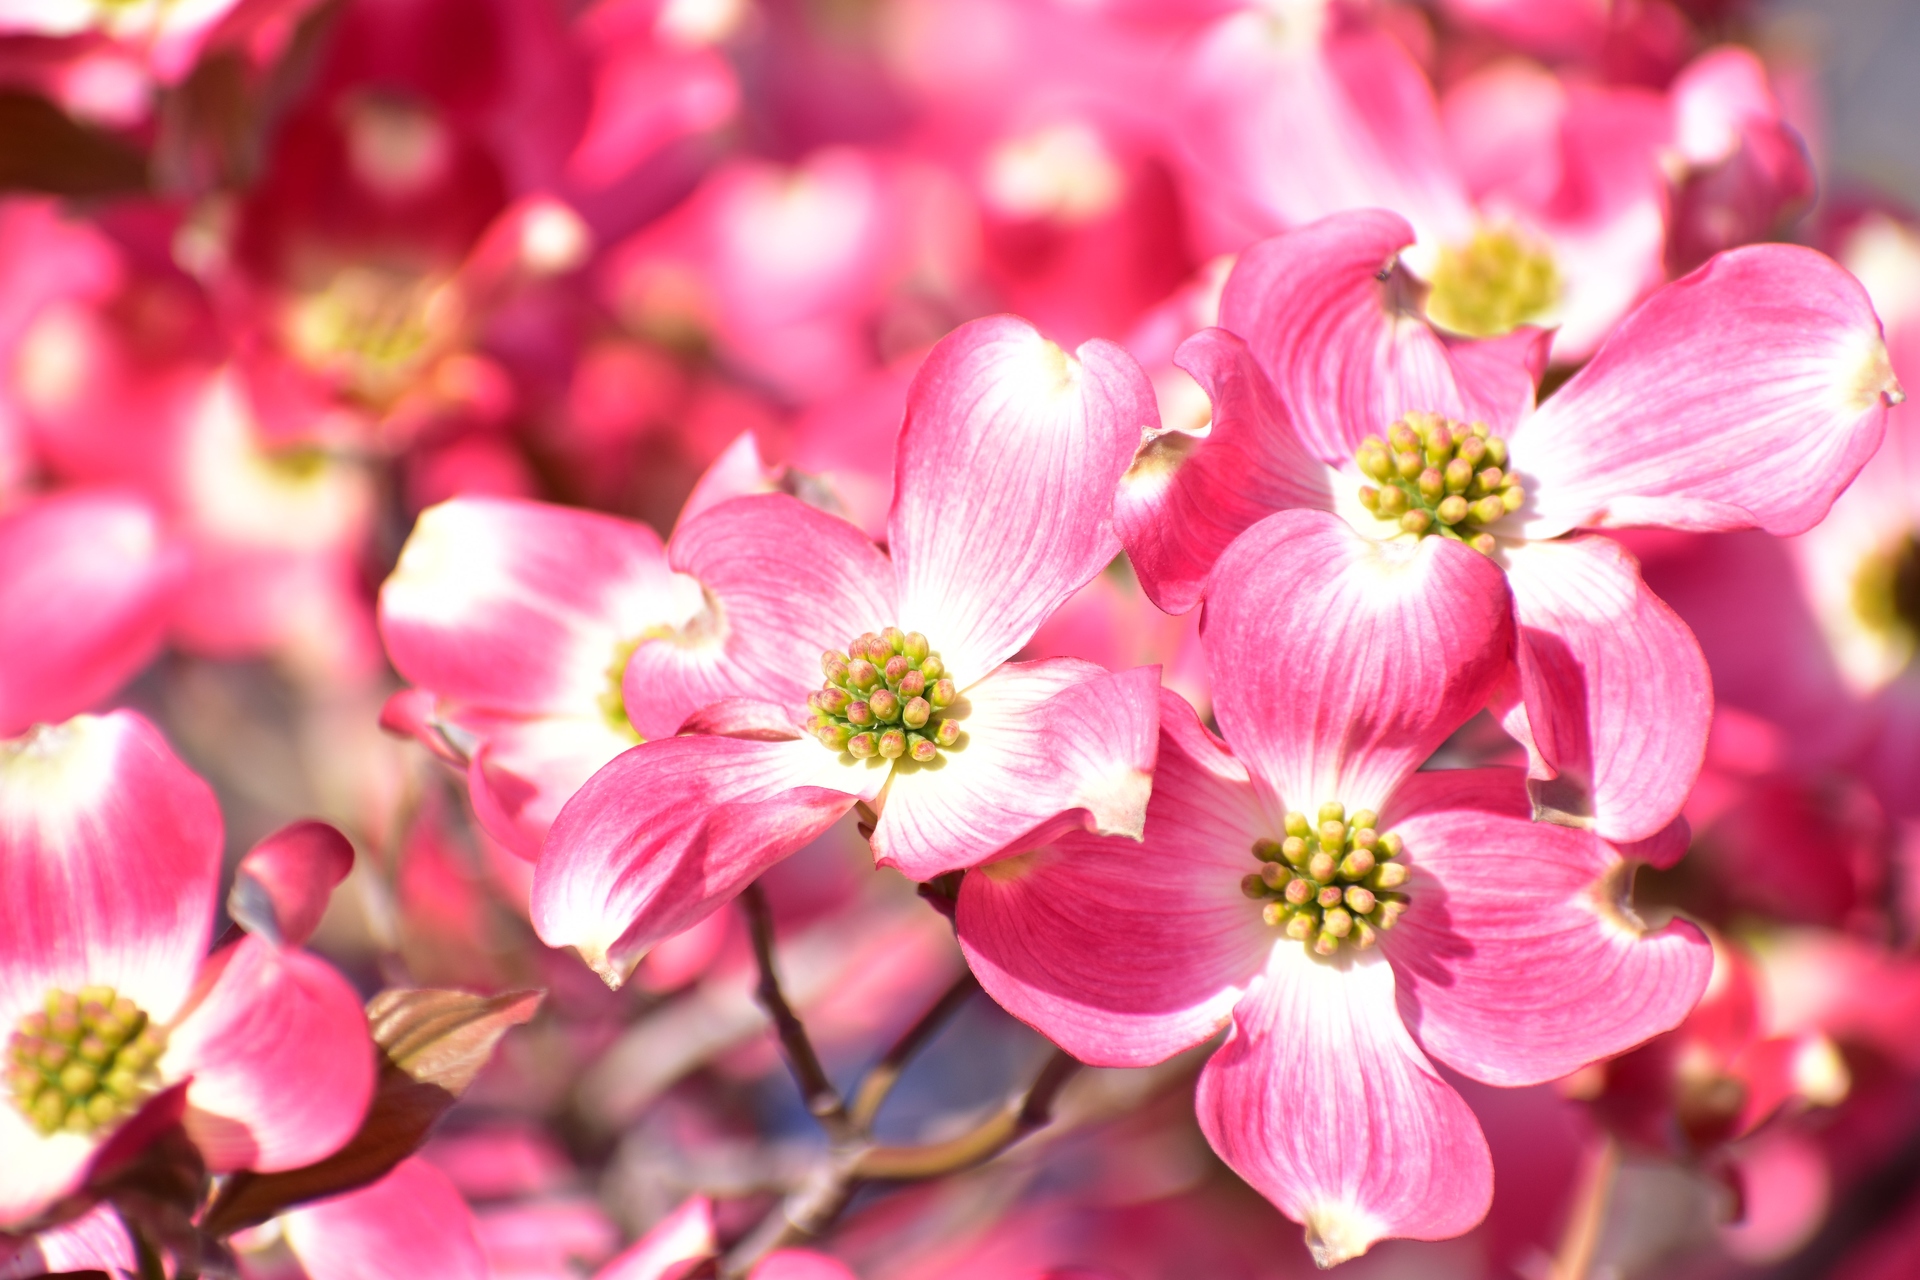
(1124, 954)
(1050, 747)
(1519, 958)
(280, 1059)
(1748, 393)
(784, 583)
(682, 1236)
(1339, 663)
(112, 853)
(1291, 124)
(1003, 484)
(522, 606)
(1322, 1100)
(84, 602)
(738, 472)
(409, 1225)
(282, 885)
(1187, 496)
(673, 829)
(524, 769)
(1346, 352)
(1618, 696)
(95, 1241)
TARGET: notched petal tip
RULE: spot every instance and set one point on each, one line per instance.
(1339, 1233)
(1874, 382)
(1160, 457)
(1612, 899)
(1117, 804)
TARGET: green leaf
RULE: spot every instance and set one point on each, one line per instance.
(432, 1044)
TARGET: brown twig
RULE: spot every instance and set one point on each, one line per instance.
(816, 1090)
(1581, 1239)
(879, 1081)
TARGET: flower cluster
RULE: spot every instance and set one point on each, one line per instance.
(1354, 564)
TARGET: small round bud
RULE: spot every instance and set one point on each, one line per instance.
(897, 668)
(1432, 484)
(916, 712)
(1297, 825)
(1300, 928)
(1439, 441)
(1392, 504)
(893, 744)
(1488, 481)
(1409, 465)
(1369, 497)
(916, 647)
(1452, 509)
(1513, 497)
(1294, 850)
(833, 701)
(1333, 833)
(1488, 509)
(1377, 463)
(1253, 886)
(1389, 875)
(1337, 922)
(833, 736)
(932, 668)
(1472, 451)
(1329, 896)
(1325, 945)
(1321, 867)
(861, 746)
(1459, 474)
(942, 693)
(1391, 843)
(1483, 543)
(1387, 913)
(1274, 876)
(860, 713)
(1299, 892)
(912, 684)
(862, 675)
(1268, 850)
(1417, 521)
(948, 733)
(1402, 438)
(1363, 936)
(1497, 451)
(1364, 837)
(921, 748)
(829, 661)
(1332, 811)
(1363, 818)
(1356, 865)
(78, 1078)
(1274, 912)
(1359, 901)
(895, 638)
(885, 704)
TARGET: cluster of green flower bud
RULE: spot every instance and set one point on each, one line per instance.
(85, 1062)
(1440, 476)
(888, 695)
(1330, 882)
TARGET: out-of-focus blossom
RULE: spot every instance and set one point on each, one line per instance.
(1518, 957)
(112, 849)
(1316, 363)
(1000, 512)
(515, 621)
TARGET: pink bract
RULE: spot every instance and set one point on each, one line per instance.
(1003, 484)
(112, 853)
(1518, 959)
(1747, 394)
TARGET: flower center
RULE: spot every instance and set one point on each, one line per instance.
(888, 695)
(1886, 592)
(613, 697)
(85, 1062)
(1440, 476)
(1330, 882)
(1492, 285)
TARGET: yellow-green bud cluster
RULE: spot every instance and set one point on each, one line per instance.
(1441, 477)
(1332, 881)
(84, 1062)
(888, 695)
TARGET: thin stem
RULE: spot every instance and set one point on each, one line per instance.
(1581, 1239)
(809, 1212)
(816, 1090)
(879, 1082)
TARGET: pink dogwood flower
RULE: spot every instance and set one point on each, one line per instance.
(111, 852)
(515, 620)
(1001, 510)
(1349, 918)
(1748, 393)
